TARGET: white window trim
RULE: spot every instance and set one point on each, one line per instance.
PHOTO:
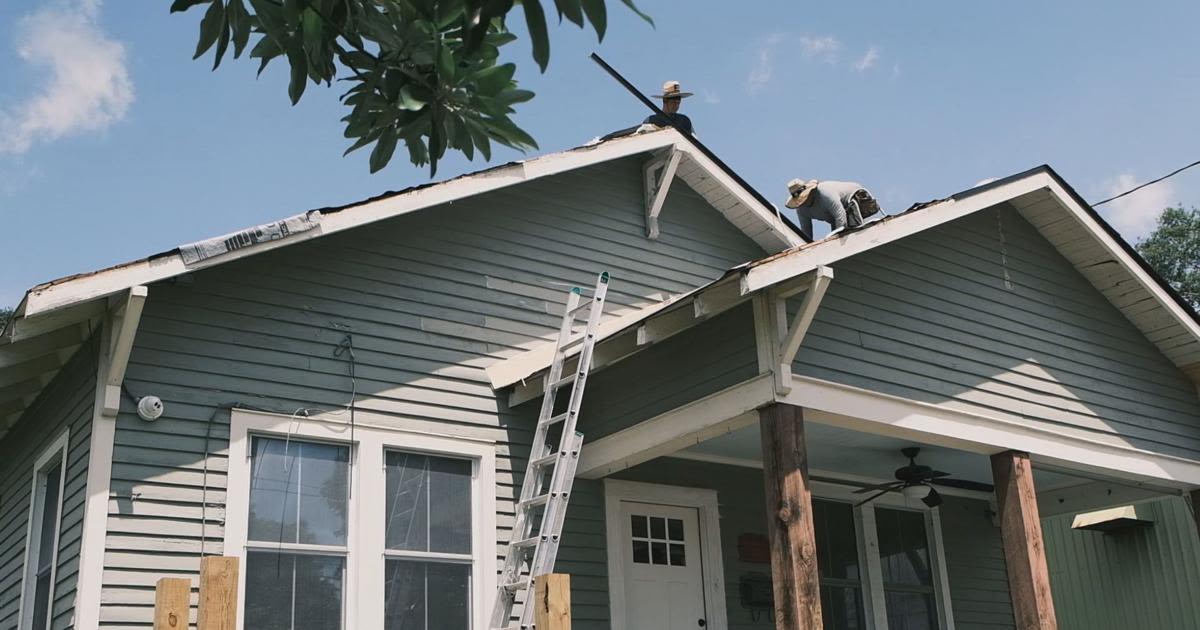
(705, 502)
(364, 598)
(57, 448)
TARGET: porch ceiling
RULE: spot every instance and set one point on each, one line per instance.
(857, 456)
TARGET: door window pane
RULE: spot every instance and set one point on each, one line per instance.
(428, 503)
(298, 492)
(903, 547)
(905, 563)
(426, 596)
(910, 611)
(293, 591)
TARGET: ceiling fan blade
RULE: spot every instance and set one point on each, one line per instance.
(932, 474)
(880, 486)
(874, 496)
(964, 484)
(933, 499)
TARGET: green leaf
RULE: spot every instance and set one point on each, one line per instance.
(240, 22)
(514, 96)
(299, 79)
(184, 5)
(222, 46)
(384, 148)
(597, 14)
(494, 79)
(210, 27)
(535, 21)
(570, 9)
(633, 7)
(445, 66)
(408, 101)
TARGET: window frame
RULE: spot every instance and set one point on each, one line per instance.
(33, 539)
(870, 568)
(366, 553)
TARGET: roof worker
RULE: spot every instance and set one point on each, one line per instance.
(672, 95)
(840, 204)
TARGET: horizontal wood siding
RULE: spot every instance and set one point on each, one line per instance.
(1146, 577)
(974, 558)
(66, 404)
(430, 298)
(716, 354)
(982, 314)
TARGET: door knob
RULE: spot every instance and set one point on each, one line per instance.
(701, 623)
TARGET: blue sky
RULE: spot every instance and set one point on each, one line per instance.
(114, 144)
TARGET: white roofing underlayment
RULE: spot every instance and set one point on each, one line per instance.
(55, 318)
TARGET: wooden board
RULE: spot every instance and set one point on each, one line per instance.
(552, 598)
(790, 520)
(1024, 550)
(218, 593)
(171, 603)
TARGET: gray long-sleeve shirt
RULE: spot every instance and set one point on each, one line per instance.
(830, 202)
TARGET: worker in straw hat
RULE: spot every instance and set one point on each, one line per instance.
(672, 95)
(840, 204)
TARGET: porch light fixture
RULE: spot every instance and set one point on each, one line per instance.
(916, 491)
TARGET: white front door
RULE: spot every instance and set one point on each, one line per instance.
(662, 567)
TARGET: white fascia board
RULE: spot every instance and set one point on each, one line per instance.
(108, 282)
(885, 414)
(786, 237)
(830, 251)
(1114, 249)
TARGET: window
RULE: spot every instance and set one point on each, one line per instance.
(878, 561)
(41, 557)
(658, 540)
(837, 562)
(393, 530)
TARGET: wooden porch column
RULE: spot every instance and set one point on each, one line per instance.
(790, 519)
(1024, 551)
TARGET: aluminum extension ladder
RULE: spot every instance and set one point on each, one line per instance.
(551, 470)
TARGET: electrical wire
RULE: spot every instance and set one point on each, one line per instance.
(1149, 183)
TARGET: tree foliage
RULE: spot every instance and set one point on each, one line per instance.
(5, 314)
(424, 72)
(1173, 249)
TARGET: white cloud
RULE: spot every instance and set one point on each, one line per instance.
(710, 97)
(1135, 216)
(764, 62)
(824, 47)
(86, 87)
(867, 61)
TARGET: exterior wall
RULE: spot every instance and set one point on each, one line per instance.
(430, 298)
(974, 559)
(1147, 578)
(983, 315)
(66, 404)
(716, 354)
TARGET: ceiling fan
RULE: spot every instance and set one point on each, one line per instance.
(916, 481)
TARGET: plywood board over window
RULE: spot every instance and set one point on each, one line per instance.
(373, 527)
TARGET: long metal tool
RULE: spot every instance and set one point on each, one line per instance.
(696, 143)
(551, 470)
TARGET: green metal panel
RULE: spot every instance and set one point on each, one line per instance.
(65, 404)
(1146, 578)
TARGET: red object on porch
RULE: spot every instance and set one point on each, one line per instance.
(754, 548)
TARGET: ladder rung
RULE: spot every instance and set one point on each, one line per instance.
(528, 542)
(566, 380)
(541, 499)
(516, 586)
(552, 420)
(542, 461)
(572, 341)
(584, 304)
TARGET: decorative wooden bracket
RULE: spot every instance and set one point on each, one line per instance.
(125, 313)
(793, 334)
(659, 172)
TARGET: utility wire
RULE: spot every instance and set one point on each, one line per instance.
(1149, 183)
